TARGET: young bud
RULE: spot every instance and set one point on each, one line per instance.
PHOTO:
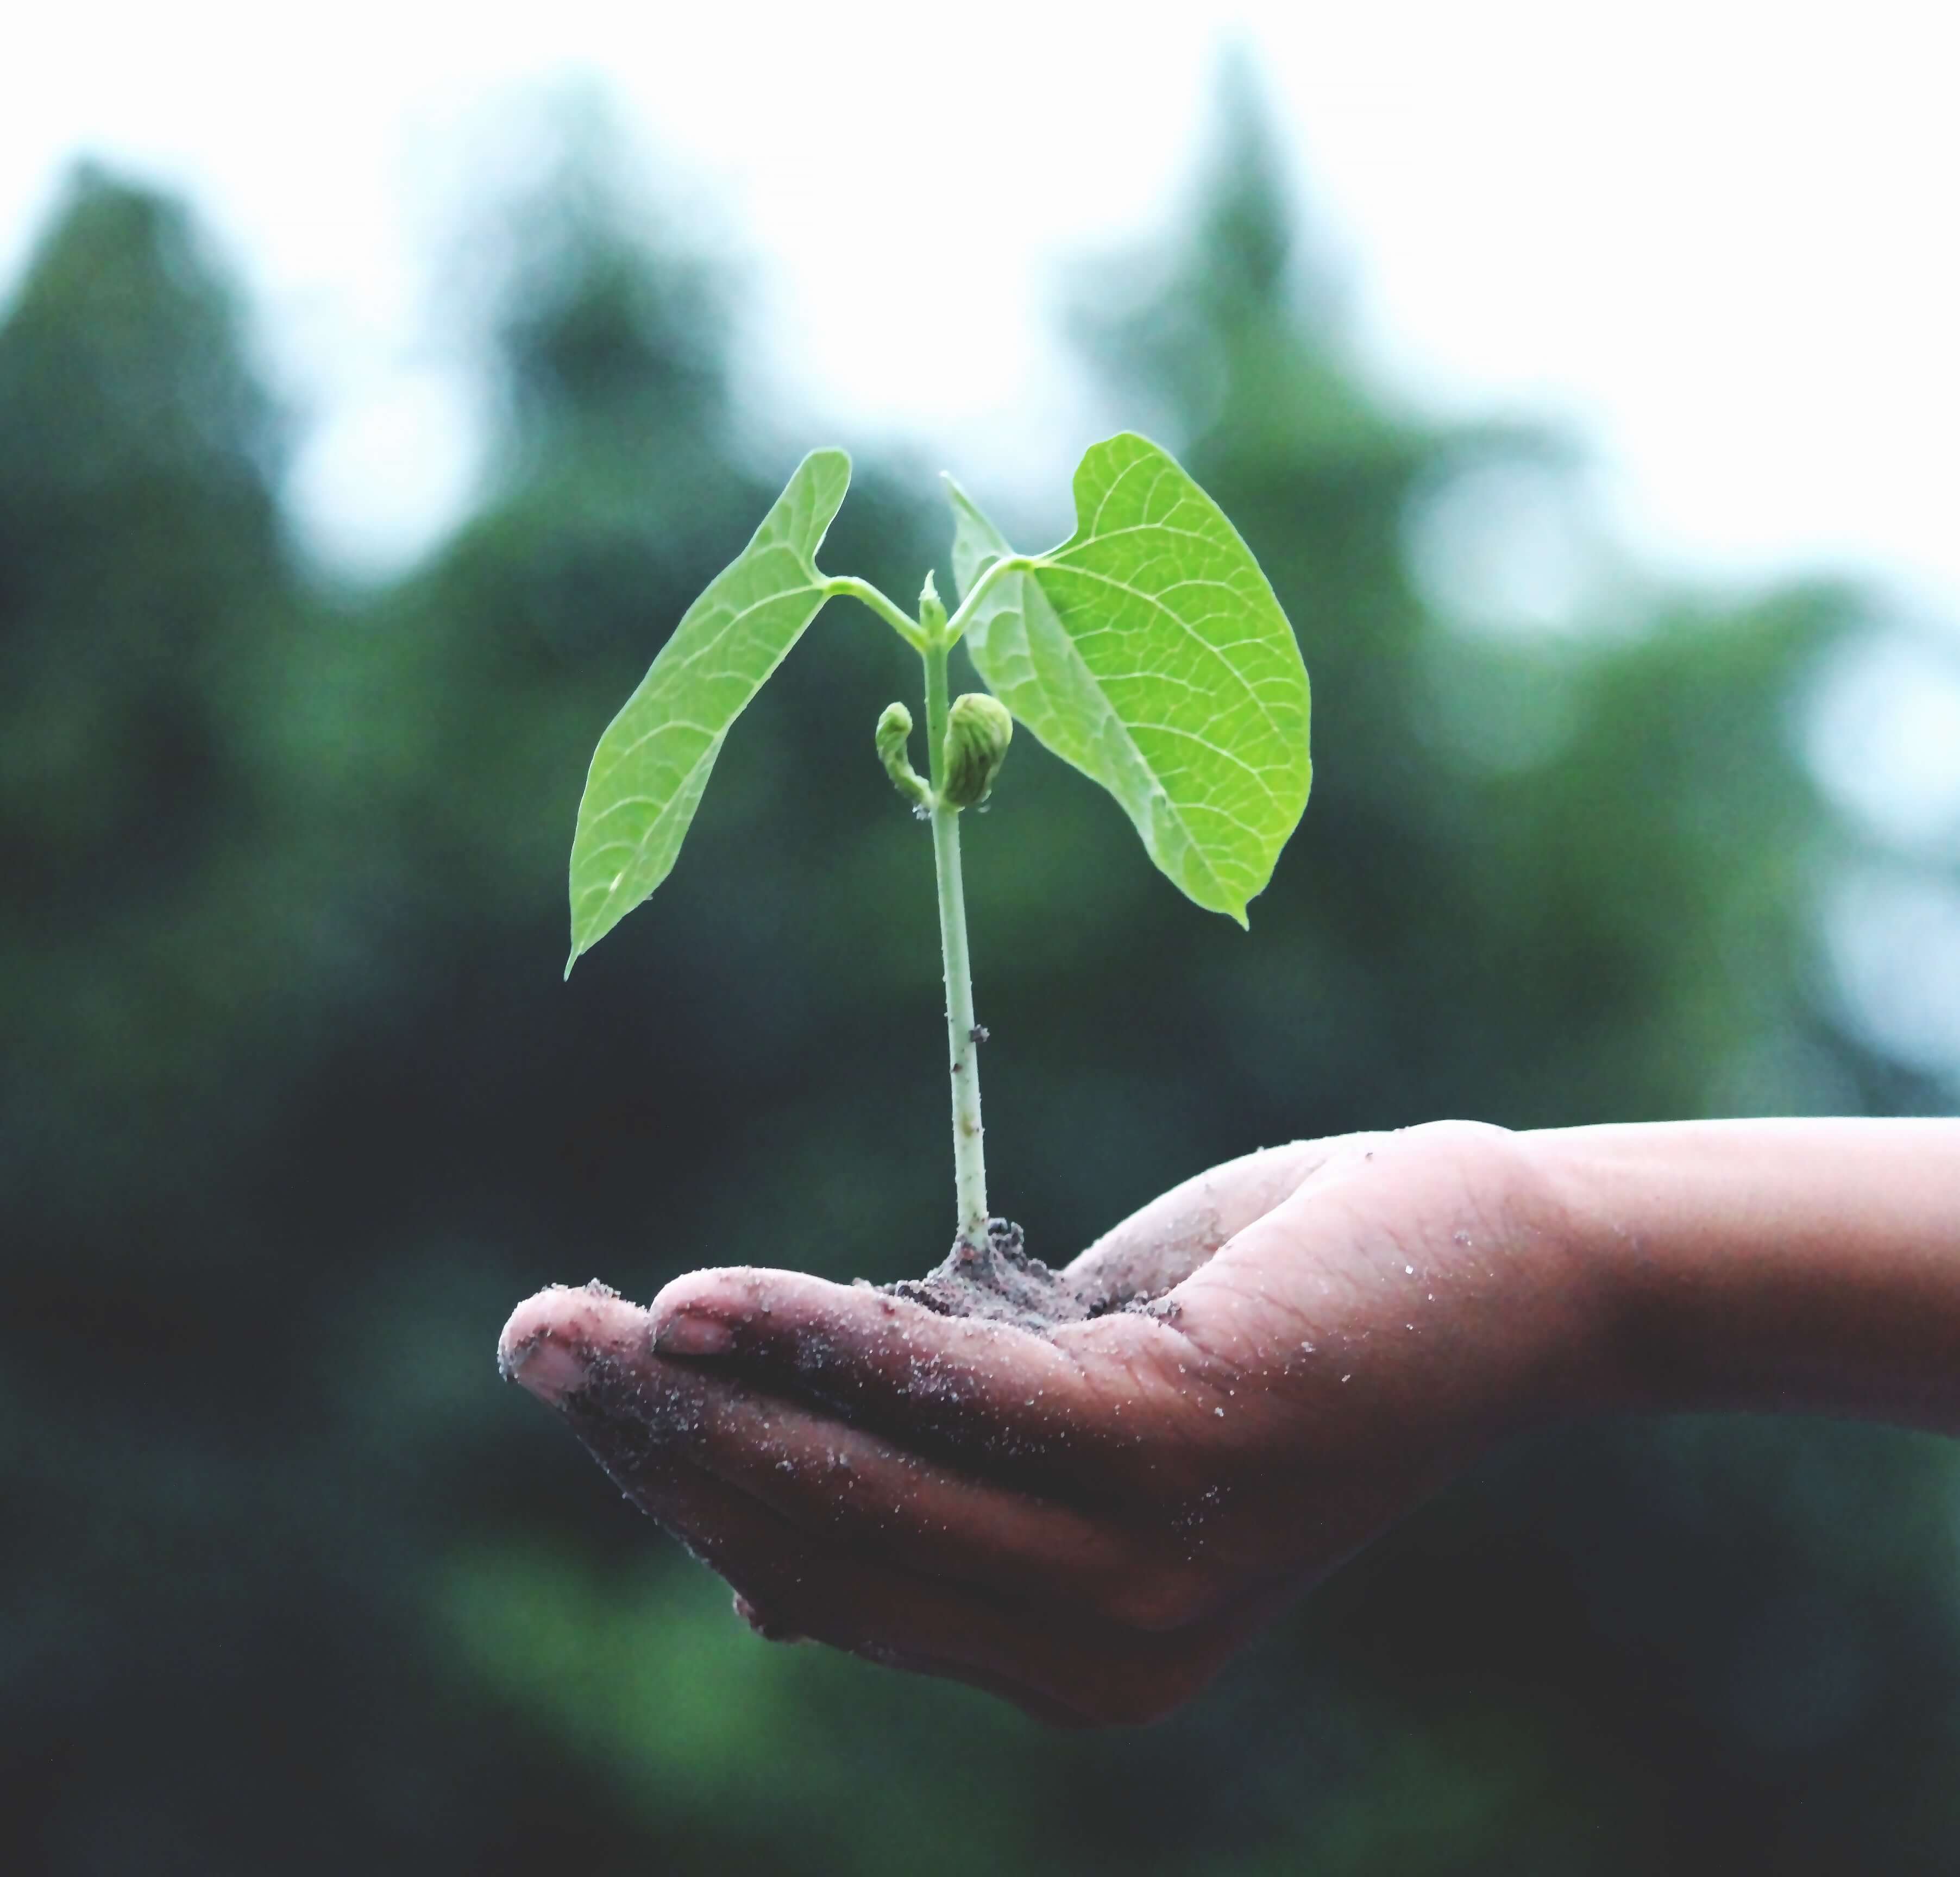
(894, 727)
(932, 614)
(978, 732)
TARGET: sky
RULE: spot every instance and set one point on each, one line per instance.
(1713, 241)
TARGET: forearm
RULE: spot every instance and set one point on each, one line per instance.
(1810, 1266)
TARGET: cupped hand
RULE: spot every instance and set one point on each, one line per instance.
(1089, 1520)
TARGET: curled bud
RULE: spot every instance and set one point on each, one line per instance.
(978, 732)
(932, 614)
(894, 727)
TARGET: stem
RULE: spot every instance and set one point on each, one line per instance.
(969, 1163)
(962, 616)
(848, 586)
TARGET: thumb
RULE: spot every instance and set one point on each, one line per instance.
(1160, 1245)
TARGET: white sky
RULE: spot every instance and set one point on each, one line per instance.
(1717, 239)
(1720, 240)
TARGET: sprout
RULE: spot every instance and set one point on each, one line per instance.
(978, 732)
(895, 726)
(1147, 650)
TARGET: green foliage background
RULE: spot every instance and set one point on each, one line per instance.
(294, 1107)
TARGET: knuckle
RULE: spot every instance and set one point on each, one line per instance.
(1160, 1599)
(1458, 1133)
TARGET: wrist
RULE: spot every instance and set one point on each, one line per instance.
(1569, 1286)
(1598, 1206)
(1529, 1306)
(1805, 1265)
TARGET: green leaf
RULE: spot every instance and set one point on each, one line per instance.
(653, 762)
(1149, 651)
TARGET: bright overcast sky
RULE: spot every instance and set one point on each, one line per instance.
(1719, 240)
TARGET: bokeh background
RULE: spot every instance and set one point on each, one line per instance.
(293, 1106)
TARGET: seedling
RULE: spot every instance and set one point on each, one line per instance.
(1147, 651)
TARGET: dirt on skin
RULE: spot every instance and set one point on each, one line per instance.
(1001, 1282)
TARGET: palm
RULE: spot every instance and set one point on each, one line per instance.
(1087, 1520)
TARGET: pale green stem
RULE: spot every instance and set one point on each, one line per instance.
(963, 616)
(933, 641)
(848, 586)
(969, 1161)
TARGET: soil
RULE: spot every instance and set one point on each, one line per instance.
(1135, 1267)
(1002, 1283)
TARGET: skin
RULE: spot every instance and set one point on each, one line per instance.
(1090, 1521)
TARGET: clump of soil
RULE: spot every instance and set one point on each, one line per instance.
(1001, 1282)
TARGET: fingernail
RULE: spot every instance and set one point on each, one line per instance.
(548, 1369)
(686, 1334)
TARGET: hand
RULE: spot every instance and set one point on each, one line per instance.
(1088, 1521)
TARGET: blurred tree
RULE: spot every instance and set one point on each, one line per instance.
(139, 570)
(293, 1106)
(215, 1658)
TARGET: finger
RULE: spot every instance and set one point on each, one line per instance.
(584, 1352)
(823, 1473)
(1160, 1245)
(552, 1337)
(848, 1487)
(956, 1383)
(1060, 1665)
